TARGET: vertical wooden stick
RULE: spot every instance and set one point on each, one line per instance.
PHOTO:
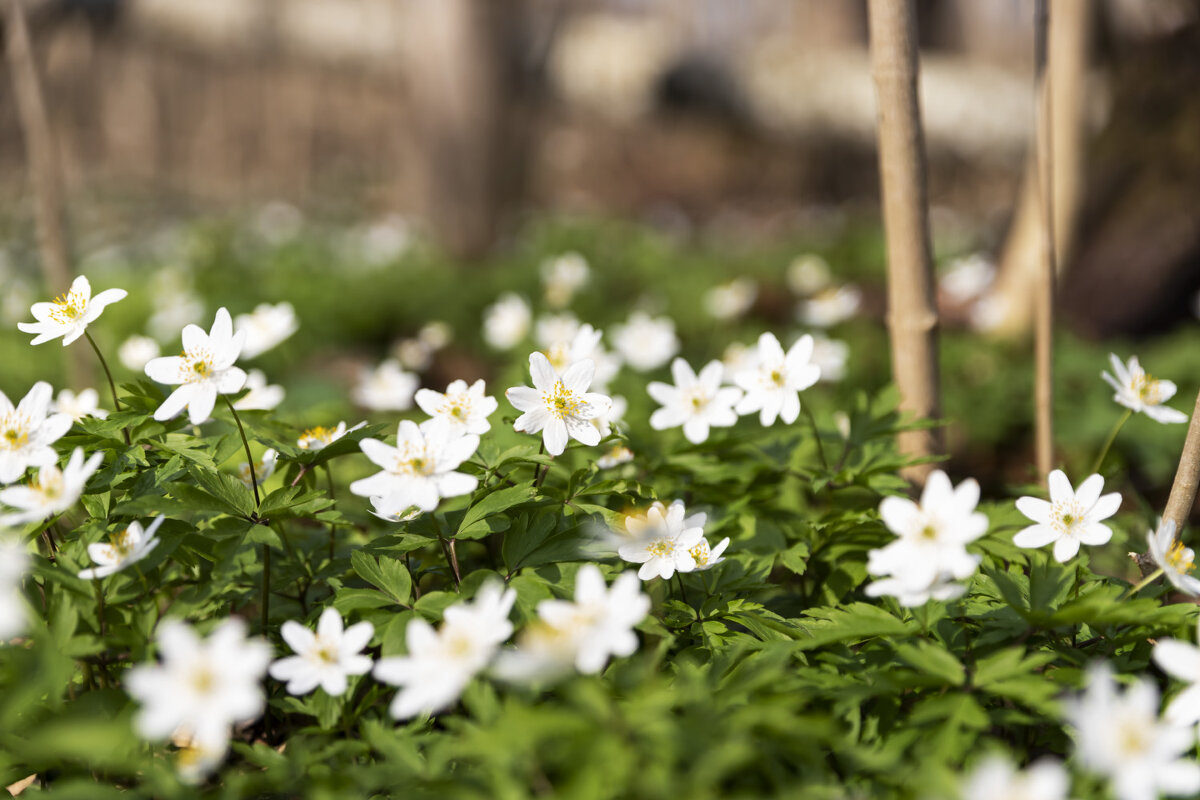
(912, 313)
(1187, 476)
(44, 175)
(1044, 288)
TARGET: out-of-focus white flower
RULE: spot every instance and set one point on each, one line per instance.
(646, 342)
(413, 354)
(565, 341)
(582, 634)
(708, 557)
(990, 311)
(14, 561)
(78, 406)
(203, 686)
(394, 507)
(830, 356)
(830, 307)
(69, 315)
(737, 358)
(697, 402)
(124, 547)
(263, 469)
(506, 322)
(320, 437)
(774, 384)
(420, 468)
(27, 431)
(617, 454)
(466, 408)
(441, 663)
(205, 370)
(662, 540)
(194, 760)
(995, 778)
(1118, 735)
(261, 397)
(559, 408)
(265, 327)
(808, 274)
(386, 240)
(615, 413)
(1176, 561)
(175, 304)
(278, 222)
(52, 492)
(325, 658)
(386, 388)
(1071, 518)
(436, 334)
(1180, 660)
(1137, 391)
(562, 276)
(730, 300)
(930, 548)
(967, 279)
(136, 351)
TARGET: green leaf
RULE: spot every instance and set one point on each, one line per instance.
(226, 488)
(932, 659)
(387, 574)
(494, 503)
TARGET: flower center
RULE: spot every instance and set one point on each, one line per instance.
(561, 401)
(326, 653)
(315, 438)
(661, 548)
(778, 377)
(1147, 389)
(414, 461)
(929, 531)
(49, 482)
(697, 399)
(1181, 559)
(199, 367)
(68, 308)
(122, 544)
(700, 553)
(457, 407)
(13, 434)
(203, 680)
(1133, 739)
(1066, 517)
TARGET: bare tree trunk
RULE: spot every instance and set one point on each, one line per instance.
(912, 313)
(1066, 67)
(1187, 476)
(1044, 288)
(45, 176)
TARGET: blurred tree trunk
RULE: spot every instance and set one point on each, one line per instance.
(1066, 68)
(471, 98)
(912, 312)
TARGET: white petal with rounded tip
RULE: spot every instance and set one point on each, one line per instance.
(1037, 510)
(1105, 507)
(1065, 549)
(1089, 491)
(1035, 536)
(1060, 487)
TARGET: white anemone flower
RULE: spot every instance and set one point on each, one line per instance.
(137, 351)
(1180, 660)
(930, 548)
(421, 465)
(1119, 735)
(774, 383)
(266, 327)
(560, 408)
(830, 307)
(1175, 560)
(1137, 391)
(708, 557)
(320, 437)
(14, 561)
(995, 778)
(969, 278)
(388, 387)
(662, 541)
(125, 547)
(396, 507)
(204, 370)
(27, 431)
(440, 663)
(564, 275)
(808, 274)
(506, 322)
(697, 402)
(69, 315)
(261, 396)
(466, 408)
(581, 634)
(646, 342)
(730, 300)
(1071, 518)
(203, 686)
(78, 406)
(263, 469)
(830, 355)
(617, 455)
(52, 492)
(324, 658)
(616, 412)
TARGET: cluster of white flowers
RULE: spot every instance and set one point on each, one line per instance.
(27, 430)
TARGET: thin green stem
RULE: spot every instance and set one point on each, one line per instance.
(450, 553)
(816, 434)
(112, 386)
(245, 444)
(1142, 584)
(1112, 437)
(332, 525)
(266, 587)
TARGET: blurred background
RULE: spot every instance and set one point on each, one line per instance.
(371, 153)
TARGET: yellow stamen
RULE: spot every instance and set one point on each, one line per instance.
(1181, 559)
